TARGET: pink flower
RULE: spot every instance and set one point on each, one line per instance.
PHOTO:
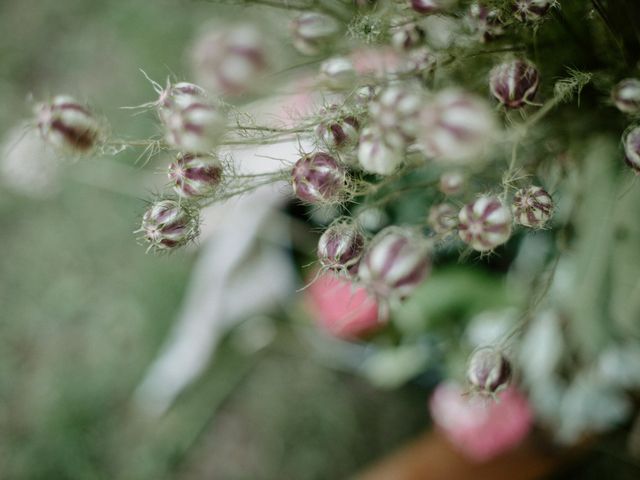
(481, 427)
(341, 308)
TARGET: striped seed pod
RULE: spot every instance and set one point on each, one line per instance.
(484, 223)
(195, 126)
(532, 207)
(443, 218)
(489, 371)
(318, 178)
(375, 155)
(340, 247)
(626, 96)
(313, 33)
(194, 175)
(631, 141)
(337, 131)
(514, 83)
(168, 224)
(67, 124)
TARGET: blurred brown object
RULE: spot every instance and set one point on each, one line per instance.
(431, 457)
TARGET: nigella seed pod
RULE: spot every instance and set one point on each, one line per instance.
(631, 143)
(395, 263)
(626, 96)
(531, 10)
(484, 223)
(194, 127)
(179, 95)
(451, 183)
(230, 60)
(337, 132)
(318, 178)
(405, 36)
(313, 33)
(375, 155)
(489, 371)
(168, 224)
(338, 73)
(395, 112)
(340, 247)
(514, 83)
(195, 176)
(484, 22)
(67, 124)
(427, 7)
(532, 207)
(443, 218)
(456, 126)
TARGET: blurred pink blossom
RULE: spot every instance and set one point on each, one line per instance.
(480, 427)
(341, 308)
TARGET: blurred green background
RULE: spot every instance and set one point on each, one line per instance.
(84, 310)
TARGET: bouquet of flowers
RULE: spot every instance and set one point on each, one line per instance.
(473, 163)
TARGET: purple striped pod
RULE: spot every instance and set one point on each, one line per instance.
(195, 175)
(484, 22)
(452, 183)
(405, 36)
(67, 124)
(312, 33)
(531, 10)
(443, 218)
(194, 127)
(338, 73)
(395, 263)
(178, 95)
(484, 223)
(340, 247)
(395, 112)
(515, 83)
(376, 155)
(456, 126)
(230, 61)
(427, 7)
(532, 207)
(338, 132)
(489, 371)
(318, 178)
(631, 141)
(626, 96)
(168, 224)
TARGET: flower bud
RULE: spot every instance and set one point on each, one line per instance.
(375, 155)
(313, 32)
(195, 176)
(532, 207)
(531, 10)
(337, 132)
(230, 60)
(488, 371)
(451, 183)
(427, 7)
(395, 263)
(338, 73)
(194, 127)
(318, 178)
(179, 95)
(169, 224)
(340, 247)
(626, 96)
(484, 22)
(405, 36)
(484, 224)
(443, 218)
(631, 142)
(456, 126)
(395, 112)
(67, 124)
(514, 83)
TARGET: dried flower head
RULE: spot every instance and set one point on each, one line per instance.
(484, 223)
(489, 371)
(340, 247)
(230, 60)
(626, 96)
(168, 224)
(313, 33)
(318, 178)
(443, 218)
(532, 207)
(631, 141)
(194, 126)
(456, 126)
(67, 124)
(514, 83)
(195, 175)
(395, 263)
